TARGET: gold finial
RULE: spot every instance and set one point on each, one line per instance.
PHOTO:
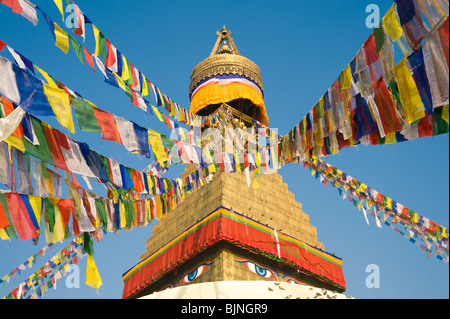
(224, 36)
(224, 30)
(224, 49)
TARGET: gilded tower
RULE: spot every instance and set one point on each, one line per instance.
(228, 239)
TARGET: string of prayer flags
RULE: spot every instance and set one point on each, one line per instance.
(375, 102)
(27, 263)
(366, 198)
(124, 74)
(23, 7)
(47, 274)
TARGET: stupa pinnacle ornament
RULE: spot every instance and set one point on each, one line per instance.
(228, 239)
(227, 77)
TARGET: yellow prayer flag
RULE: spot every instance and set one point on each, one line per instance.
(390, 138)
(173, 111)
(445, 113)
(255, 184)
(120, 82)
(144, 86)
(59, 4)
(154, 139)
(149, 181)
(46, 77)
(3, 234)
(157, 113)
(125, 69)
(391, 24)
(93, 278)
(181, 113)
(60, 103)
(161, 97)
(96, 36)
(409, 95)
(62, 39)
(258, 159)
(16, 142)
(123, 218)
(346, 78)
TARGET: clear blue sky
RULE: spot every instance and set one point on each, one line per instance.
(300, 47)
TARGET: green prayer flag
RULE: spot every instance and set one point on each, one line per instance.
(77, 48)
(49, 214)
(84, 112)
(378, 33)
(42, 149)
(10, 231)
(101, 211)
(440, 125)
(102, 45)
(129, 212)
(88, 246)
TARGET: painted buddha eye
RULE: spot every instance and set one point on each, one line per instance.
(257, 269)
(194, 274)
(292, 281)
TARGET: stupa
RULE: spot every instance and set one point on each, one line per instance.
(226, 239)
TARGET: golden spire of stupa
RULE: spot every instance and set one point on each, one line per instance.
(227, 76)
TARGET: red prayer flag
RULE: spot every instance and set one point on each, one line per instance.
(3, 219)
(58, 156)
(108, 126)
(110, 57)
(20, 218)
(89, 59)
(66, 208)
(386, 107)
(137, 180)
(370, 50)
(443, 36)
(13, 4)
(2, 45)
(425, 127)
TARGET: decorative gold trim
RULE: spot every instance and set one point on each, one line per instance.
(225, 59)
(225, 63)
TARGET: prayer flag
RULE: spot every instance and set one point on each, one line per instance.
(62, 39)
(60, 103)
(77, 48)
(28, 11)
(93, 278)
(9, 124)
(22, 61)
(85, 115)
(125, 69)
(127, 134)
(13, 4)
(386, 108)
(111, 57)
(20, 218)
(107, 125)
(154, 139)
(100, 43)
(59, 4)
(8, 82)
(409, 95)
(80, 30)
(89, 59)
(391, 24)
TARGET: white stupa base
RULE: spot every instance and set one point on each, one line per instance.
(246, 290)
